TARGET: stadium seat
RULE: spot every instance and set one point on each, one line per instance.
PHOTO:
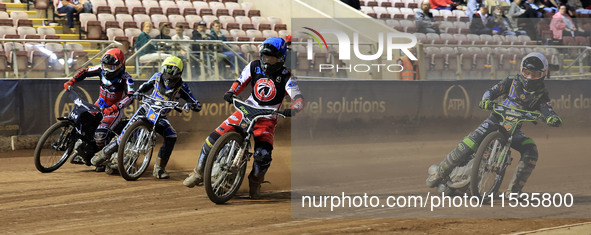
(140, 19)
(132, 34)
(135, 7)
(115, 34)
(219, 9)
(448, 39)
(270, 33)
(118, 7)
(36, 58)
(186, 8)
(18, 15)
(77, 54)
(152, 7)
(125, 21)
(158, 19)
(100, 7)
(26, 32)
(261, 23)
(170, 7)
(47, 33)
(382, 13)
(239, 35)
(409, 14)
(433, 38)
(193, 20)
(18, 50)
(177, 19)
(447, 15)
(255, 35)
(235, 9)
(107, 21)
(202, 8)
(409, 26)
(209, 19)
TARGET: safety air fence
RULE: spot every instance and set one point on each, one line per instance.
(28, 107)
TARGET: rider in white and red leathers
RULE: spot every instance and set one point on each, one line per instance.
(271, 83)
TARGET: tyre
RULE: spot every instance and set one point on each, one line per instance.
(487, 174)
(54, 146)
(220, 180)
(135, 150)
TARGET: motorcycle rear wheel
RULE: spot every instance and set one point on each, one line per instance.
(220, 181)
(486, 179)
(135, 150)
(54, 147)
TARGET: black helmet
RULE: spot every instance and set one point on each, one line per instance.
(534, 68)
(112, 66)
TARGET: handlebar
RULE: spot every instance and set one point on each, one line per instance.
(276, 111)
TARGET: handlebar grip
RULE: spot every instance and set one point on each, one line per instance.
(178, 109)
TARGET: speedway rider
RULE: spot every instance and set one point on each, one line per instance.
(523, 91)
(116, 88)
(165, 85)
(271, 82)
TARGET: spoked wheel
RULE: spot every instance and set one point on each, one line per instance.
(54, 147)
(488, 169)
(135, 150)
(221, 180)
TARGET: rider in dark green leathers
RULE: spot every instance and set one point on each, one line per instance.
(524, 91)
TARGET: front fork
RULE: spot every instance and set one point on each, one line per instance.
(238, 160)
(504, 158)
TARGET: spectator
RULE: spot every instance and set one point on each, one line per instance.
(143, 38)
(216, 34)
(563, 25)
(424, 19)
(70, 8)
(410, 68)
(549, 6)
(184, 48)
(200, 34)
(515, 11)
(150, 53)
(482, 22)
(472, 7)
(577, 6)
(532, 10)
(502, 24)
(164, 32)
(442, 4)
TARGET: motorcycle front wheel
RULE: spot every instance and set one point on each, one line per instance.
(135, 150)
(221, 180)
(54, 146)
(487, 172)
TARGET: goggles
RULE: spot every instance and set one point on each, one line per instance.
(532, 74)
(110, 67)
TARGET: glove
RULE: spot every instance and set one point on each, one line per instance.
(196, 107)
(69, 83)
(111, 109)
(485, 104)
(554, 120)
(229, 96)
(288, 112)
(137, 95)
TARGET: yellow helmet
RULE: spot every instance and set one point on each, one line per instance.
(172, 69)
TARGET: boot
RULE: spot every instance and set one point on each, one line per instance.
(104, 154)
(160, 172)
(193, 180)
(254, 186)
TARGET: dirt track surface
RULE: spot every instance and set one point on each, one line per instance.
(76, 200)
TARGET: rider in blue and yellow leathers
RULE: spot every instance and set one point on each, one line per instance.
(524, 91)
(165, 85)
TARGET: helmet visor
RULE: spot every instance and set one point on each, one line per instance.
(532, 73)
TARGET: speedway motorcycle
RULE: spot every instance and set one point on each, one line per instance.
(483, 173)
(225, 166)
(138, 140)
(71, 135)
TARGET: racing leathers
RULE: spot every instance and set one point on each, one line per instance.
(163, 127)
(515, 96)
(268, 91)
(112, 99)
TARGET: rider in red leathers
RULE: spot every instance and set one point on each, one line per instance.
(116, 90)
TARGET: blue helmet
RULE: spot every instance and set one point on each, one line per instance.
(276, 47)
